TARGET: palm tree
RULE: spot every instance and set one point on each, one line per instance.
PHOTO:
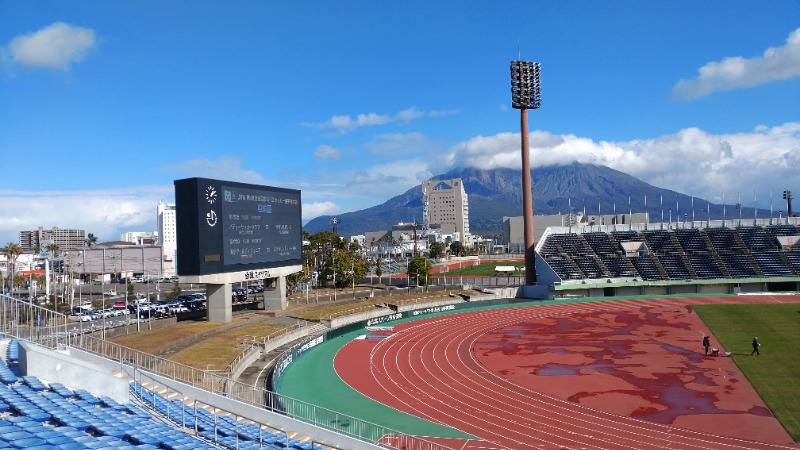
(12, 250)
(90, 240)
(52, 249)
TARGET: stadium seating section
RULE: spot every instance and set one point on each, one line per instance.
(38, 416)
(674, 254)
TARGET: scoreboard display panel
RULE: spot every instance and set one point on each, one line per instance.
(225, 226)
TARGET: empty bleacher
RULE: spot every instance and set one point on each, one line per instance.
(35, 415)
(705, 266)
(675, 267)
(783, 230)
(39, 415)
(757, 238)
(618, 266)
(589, 267)
(794, 259)
(676, 254)
(647, 268)
(722, 239)
(691, 240)
(602, 243)
(772, 264)
(559, 244)
(661, 242)
(564, 268)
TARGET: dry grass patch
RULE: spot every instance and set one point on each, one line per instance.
(154, 341)
(339, 309)
(334, 309)
(218, 351)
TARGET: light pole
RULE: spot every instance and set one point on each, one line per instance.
(787, 195)
(526, 93)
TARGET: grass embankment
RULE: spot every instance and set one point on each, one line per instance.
(775, 374)
(401, 298)
(214, 351)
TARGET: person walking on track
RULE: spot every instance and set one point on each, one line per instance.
(706, 343)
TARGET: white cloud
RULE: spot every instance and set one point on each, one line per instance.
(224, 168)
(409, 114)
(106, 213)
(52, 47)
(324, 152)
(312, 210)
(393, 177)
(690, 161)
(346, 123)
(777, 63)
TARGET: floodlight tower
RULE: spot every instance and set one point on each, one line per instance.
(335, 223)
(526, 93)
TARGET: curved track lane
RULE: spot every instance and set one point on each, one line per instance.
(429, 368)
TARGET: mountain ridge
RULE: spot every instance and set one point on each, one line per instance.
(557, 189)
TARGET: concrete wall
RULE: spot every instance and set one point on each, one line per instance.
(715, 289)
(683, 289)
(70, 369)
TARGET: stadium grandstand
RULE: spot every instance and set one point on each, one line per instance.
(676, 258)
(63, 388)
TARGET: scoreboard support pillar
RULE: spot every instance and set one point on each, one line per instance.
(276, 298)
(219, 302)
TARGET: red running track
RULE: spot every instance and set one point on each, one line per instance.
(614, 374)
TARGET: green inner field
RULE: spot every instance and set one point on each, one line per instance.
(775, 374)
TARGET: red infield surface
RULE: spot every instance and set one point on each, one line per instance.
(614, 374)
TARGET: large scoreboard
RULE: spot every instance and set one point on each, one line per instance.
(225, 226)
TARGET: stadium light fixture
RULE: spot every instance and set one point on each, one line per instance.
(526, 93)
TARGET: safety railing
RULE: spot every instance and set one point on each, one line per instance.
(48, 328)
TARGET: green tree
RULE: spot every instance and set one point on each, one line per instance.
(130, 294)
(378, 267)
(12, 250)
(18, 281)
(419, 271)
(52, 248)
(457, 249)
(90, 240)
(348, 267)
(436, 250)
(174, 293)
(322, 249)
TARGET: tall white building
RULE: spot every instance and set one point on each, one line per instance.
(167, 234)
(447, 206)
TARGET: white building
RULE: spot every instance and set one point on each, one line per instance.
(65, 239)
(167, 233)
(447, 205)
(140, 237)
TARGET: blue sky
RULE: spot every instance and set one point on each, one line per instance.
(104, 104)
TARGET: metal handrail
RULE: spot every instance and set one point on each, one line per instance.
(44, 327)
